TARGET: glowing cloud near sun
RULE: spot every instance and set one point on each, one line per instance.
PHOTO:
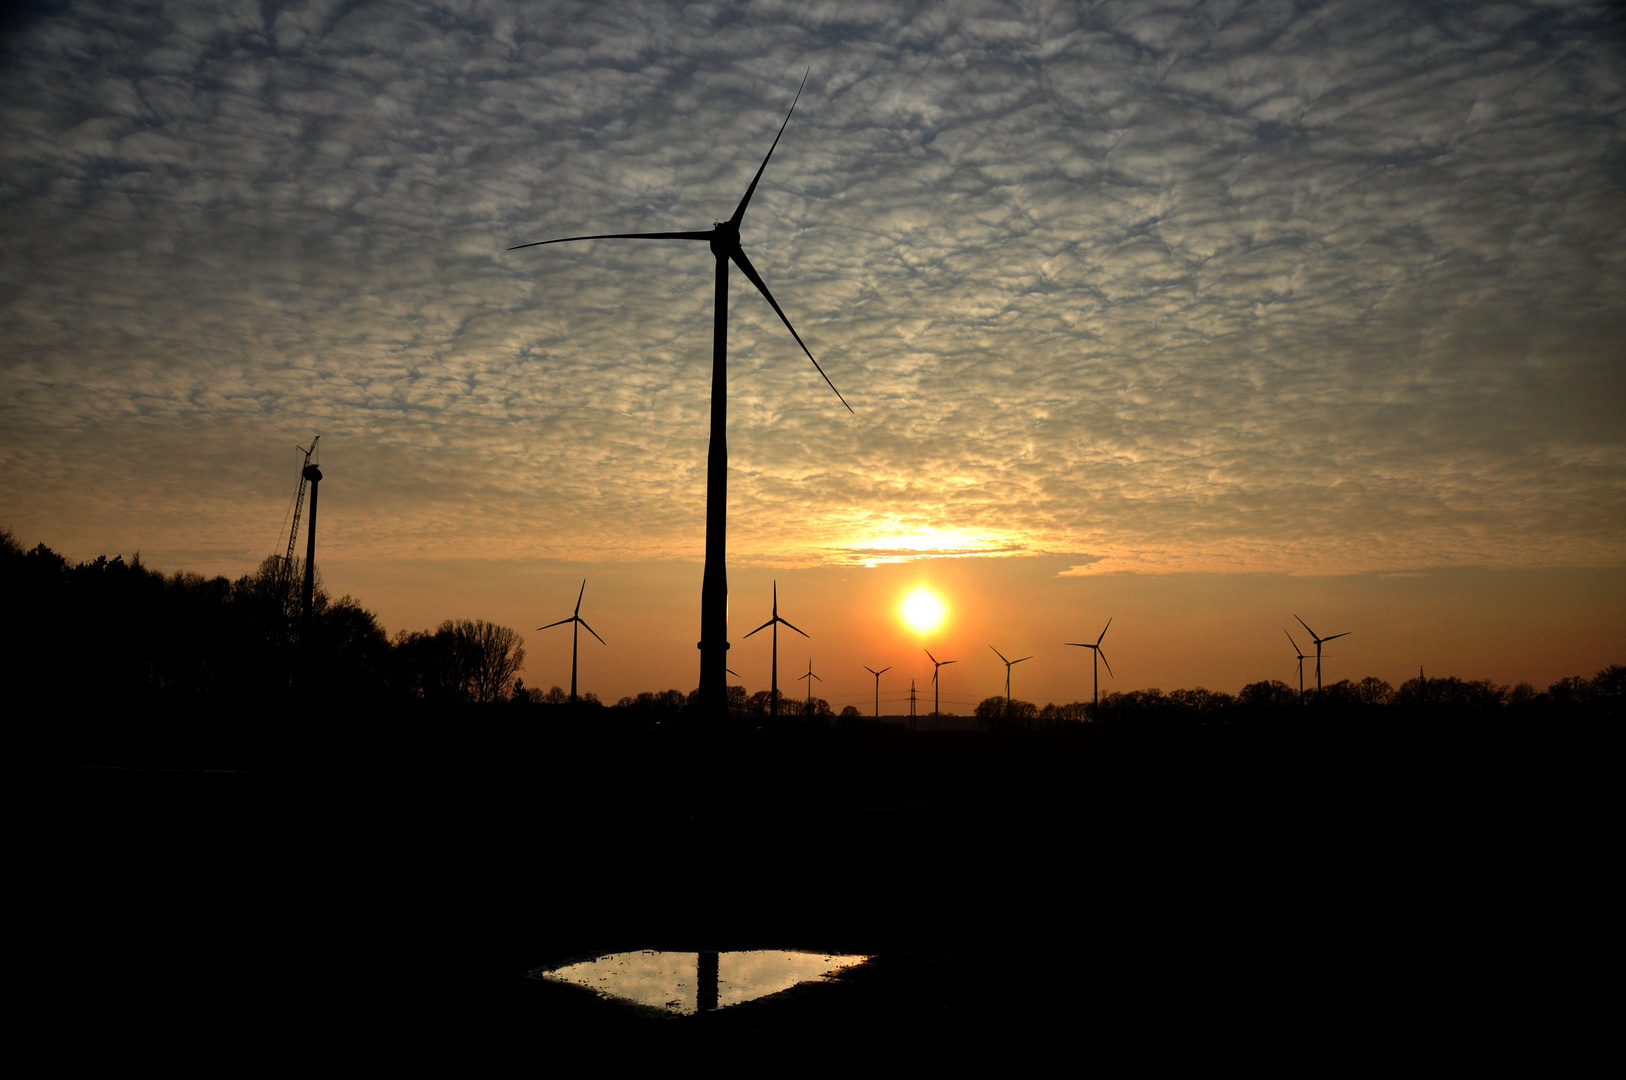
(906, 545)
(922, 610)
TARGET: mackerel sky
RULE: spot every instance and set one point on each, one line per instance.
(1274, 288)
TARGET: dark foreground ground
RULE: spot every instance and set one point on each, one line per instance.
(1224, 895)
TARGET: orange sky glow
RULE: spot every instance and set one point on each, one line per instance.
(1197, 317)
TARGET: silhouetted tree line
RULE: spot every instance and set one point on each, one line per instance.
(123, 638)
(462, 661)
(120, 635)
(1370, 701)
(124, 641)
(1025, 715)
(759, 705)
(667, 708)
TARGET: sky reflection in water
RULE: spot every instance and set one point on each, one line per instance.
(682, 982)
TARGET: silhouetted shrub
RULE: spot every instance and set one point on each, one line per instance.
(1268, 697)
(1053, 715)
(462, 661)
(1374, 691)
(761, 704)
(1450, 698)
(999, 714)
(652, 709)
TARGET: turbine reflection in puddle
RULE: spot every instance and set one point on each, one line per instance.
(686, 982)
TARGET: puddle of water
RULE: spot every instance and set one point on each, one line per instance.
(686, 982)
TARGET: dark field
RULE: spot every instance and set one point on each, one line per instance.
(1226, 893)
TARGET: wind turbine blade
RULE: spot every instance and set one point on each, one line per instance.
(1103, 657)
(1080, 644)
(561, 622)
(764, 626)
(739, 211)
(929, 655)
(744, 264)
(869, 669)
(818, 677)
(1023, 658)
(1307, 627)
(1105, 628)
(884, 670)
(999, 654)
(946, 663)
(1295, 644)
(579, 596)
(590, 630)
(620, 236)
(1346, 633)
(787, 623)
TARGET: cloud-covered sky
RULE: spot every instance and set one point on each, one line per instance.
(1266, 287)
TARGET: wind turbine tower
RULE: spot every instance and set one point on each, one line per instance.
(1318, 641)
(877, 675)
(308, 596)
(575, 636)
(724, 240)
(773, 694)
(937, 689)
(1100, 657)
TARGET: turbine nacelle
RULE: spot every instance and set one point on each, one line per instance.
(725, 242)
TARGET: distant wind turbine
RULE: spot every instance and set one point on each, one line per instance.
(1008, 665)
(773, 694)
(809, 677)
(575, 635)
(1100, 657)
(877, 675)
(724, 239)
(1318, 641)
(937, 689)
(1300, 653)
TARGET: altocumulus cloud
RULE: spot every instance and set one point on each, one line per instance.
(1160, 286)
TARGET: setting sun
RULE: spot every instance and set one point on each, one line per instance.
(922, 609)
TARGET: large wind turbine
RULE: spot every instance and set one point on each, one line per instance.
(1300, 653)
(1008, 665)
(1318, 641)
(575, 634)
(724, 239)
(877, 675)
(1100, 657)
(773, 695)
(937, 691)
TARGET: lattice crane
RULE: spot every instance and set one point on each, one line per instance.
(299, 503)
